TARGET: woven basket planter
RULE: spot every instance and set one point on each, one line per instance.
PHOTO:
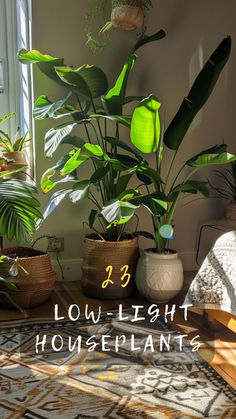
(128, 16)
(104, 260)
(35, 278)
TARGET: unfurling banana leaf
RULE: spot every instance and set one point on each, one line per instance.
(198, 95)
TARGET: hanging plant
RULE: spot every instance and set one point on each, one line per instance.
(125, 15)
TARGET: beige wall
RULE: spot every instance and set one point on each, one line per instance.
(167, 69)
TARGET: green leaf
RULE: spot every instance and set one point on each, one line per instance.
(8, 283)
(11, 300)
(146, 39)
(198, 95)
(11, 172)
(214, 155)
(156, 203)
(47, 183)
(73, 140)
(92, 217)
(7, 117)
(144, 179)
(114, 99)
(44, 108)
(191, 186)
(123, 120)
(123, 145)
(216, 149)
(118, 212)
(128, 194)
(144, 234)
(152, 174)
(45, 63)
(18, 209)
(145, 125)
(212, 159)
(54, 201)
(54, 137)
(122, 183)
(80, 190)
(81, 155)
(88, 80)
(99, 174)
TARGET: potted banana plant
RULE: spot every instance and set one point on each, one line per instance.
(13, 153)
(26, 274)
(110, 253)
(159, 275)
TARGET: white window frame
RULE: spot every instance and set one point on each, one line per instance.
(16, 21)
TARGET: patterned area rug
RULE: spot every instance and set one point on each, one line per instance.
(110, 384)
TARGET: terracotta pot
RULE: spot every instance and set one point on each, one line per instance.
(18, 160)
(35, 279)
(104, 260)
(128, 16)
(159, 276)
(231, 212)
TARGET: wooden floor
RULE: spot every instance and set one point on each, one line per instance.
(219, 347)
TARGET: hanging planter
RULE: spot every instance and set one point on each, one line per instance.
(127, 16)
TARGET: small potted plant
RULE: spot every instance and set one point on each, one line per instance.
(159, 275)
(110, 252)
(13, 154)
(227, 190)
(27, 270)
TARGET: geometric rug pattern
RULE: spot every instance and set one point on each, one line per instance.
(98, 384)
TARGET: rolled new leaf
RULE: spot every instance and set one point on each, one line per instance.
(198, 95)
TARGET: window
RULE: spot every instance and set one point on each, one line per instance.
(15, 79)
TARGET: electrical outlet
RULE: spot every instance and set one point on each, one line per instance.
(55, 244)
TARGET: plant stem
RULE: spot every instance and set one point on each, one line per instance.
(95, 201)
(170, 167)
(173, 206)
(99, 126)
(85, 126)
(176, 177)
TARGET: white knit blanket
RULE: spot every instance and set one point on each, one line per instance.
(214, 286)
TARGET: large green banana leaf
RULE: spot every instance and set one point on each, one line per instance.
(114, 99)
(145, 125)
(198, 95)
(45, 63)
(88, 80)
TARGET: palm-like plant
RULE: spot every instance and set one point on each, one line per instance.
(227, 190)
(18, 208)
(18, 216)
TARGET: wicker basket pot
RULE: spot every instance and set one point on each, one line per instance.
(35, 278)
(128, 16)
(112, 261)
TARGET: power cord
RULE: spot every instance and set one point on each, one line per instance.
(57, 253)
